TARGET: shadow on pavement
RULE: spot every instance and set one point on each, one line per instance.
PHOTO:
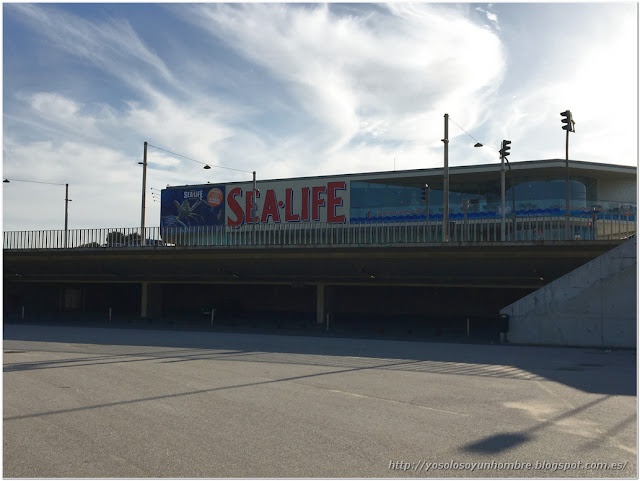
(499, 443)
(609, 372)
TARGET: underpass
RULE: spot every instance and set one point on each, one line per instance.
(419, 290)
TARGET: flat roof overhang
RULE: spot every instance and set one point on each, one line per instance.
(491, 172)
(470, 173)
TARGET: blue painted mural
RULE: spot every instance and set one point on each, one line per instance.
(190, 207)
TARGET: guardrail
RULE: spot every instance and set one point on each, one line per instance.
(532, 228)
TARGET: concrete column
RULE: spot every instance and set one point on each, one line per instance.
(144, 300)
(320, 304)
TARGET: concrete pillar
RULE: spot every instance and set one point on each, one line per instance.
(320, 304)
(144, 300)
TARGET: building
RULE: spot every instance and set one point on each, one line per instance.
(533, 188)
(342, 253)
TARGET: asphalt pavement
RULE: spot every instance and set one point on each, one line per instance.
(95, 402)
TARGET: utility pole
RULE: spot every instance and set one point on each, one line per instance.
(254, 208)
(66, 215)
(445, 198)
(569, 126)
(66, 203)
(144, 191)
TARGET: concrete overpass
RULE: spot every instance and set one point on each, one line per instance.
(413, 284)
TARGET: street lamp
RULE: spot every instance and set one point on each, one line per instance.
(445, 194)
(504, 152)
(445, 199)
(66, 202)
(144, 191)
(144, 184)
(205, 166)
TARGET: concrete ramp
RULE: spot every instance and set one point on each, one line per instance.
(594, 305)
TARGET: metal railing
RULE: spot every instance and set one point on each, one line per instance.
(532, 228)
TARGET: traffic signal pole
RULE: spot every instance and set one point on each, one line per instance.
(567, 193)
(504, 152)
(425, 197)
(503, 222)
(567, 119)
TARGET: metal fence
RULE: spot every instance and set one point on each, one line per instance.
(533, 228)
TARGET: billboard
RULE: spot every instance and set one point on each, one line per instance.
(287, 201)
(185, 207)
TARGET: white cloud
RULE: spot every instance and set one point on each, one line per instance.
(374, 87)
(376, 69)
(492, 17)
(599, 86)
(323, 93)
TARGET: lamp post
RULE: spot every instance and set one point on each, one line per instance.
(144, 183)
(144, 191)
(445, 194)
(206, 167)
(254, 209)
(504, 152)
(66, 202)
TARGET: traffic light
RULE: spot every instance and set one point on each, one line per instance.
(425, 192)
(504, 151)
(567, 120)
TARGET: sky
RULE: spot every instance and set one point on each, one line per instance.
(293, 90)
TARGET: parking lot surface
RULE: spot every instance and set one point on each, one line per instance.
(94, 402)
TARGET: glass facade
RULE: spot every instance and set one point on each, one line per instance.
(530, 195)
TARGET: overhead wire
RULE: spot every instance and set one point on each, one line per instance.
(483, 143)
(34, 182)
(198, 161)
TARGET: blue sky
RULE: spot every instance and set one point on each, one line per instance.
(296, 90)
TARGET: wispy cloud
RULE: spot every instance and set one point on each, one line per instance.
(111, 45)
(381, 68)
(297, 90)
(491, 16)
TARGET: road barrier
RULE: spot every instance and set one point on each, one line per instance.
(586, 227)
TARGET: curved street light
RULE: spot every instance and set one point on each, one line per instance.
(66, 202)
(206, 167)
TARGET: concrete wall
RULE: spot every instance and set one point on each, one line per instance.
(594, 305)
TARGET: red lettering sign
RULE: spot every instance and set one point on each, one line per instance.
(289, 216)
(249, 208)
(316, 201)
(312, 199)
(270, 207)
(304, 215)
(235, 207)
(333, 202)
